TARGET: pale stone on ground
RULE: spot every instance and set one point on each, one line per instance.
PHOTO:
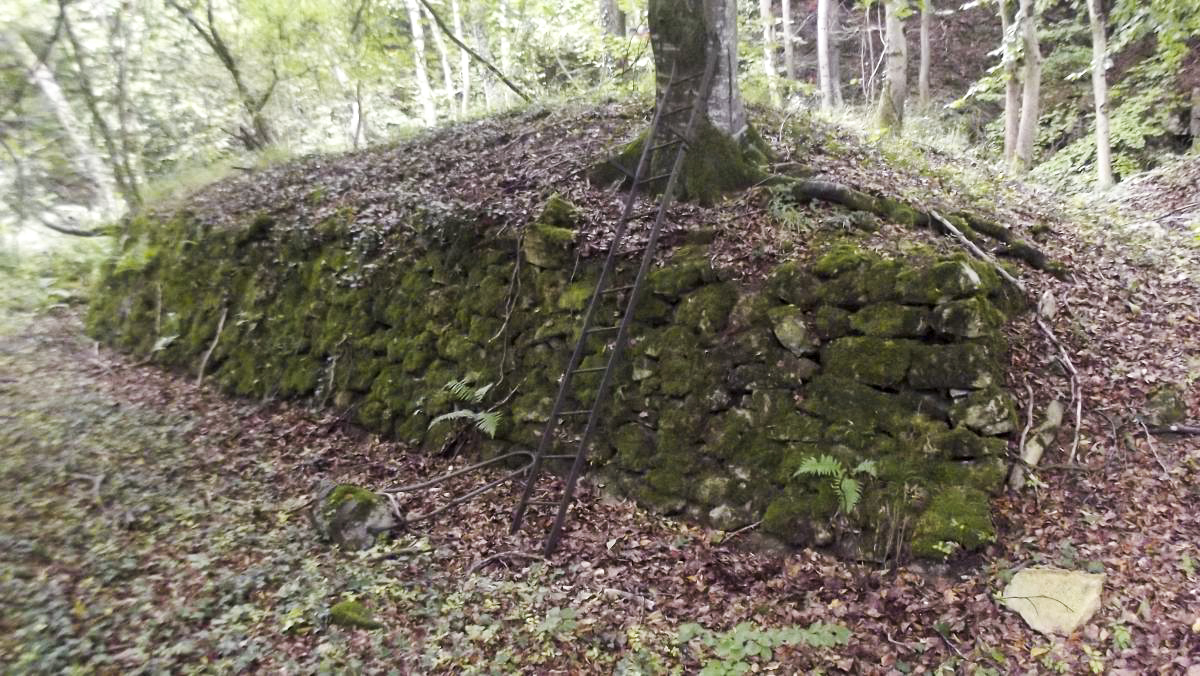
(1052, 600)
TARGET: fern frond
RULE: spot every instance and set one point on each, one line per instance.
(459, 389)
(849, 493)
(478, 395)
(826, 465)
(488, 422)
(453, 415)
(867, 467)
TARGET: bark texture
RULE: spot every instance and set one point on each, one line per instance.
(895, 87)
(789, 47)
(1104, 172)
(1031, 89)
(680, 33)
(926, 56)
(612, 18)
(1012, 94)
(824, 55)
(424, 90)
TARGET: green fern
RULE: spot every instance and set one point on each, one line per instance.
(464, 391)
(849, 489)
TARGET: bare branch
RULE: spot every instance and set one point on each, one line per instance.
(462, 45)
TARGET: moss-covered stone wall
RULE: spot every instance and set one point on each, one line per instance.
(726, 391)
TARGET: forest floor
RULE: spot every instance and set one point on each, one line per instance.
(151, 524)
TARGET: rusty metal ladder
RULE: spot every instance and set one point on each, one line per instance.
(604, 287)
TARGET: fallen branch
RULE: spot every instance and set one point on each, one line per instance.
(213, 346)
(480, 564)
(1154, 450)
(1028, 422)
(486, 64)
(1193, 429)
(741, 530)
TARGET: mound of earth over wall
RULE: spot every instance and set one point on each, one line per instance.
(727, 390)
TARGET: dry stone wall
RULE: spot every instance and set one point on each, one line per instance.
(727, 390)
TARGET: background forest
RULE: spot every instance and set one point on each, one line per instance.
(109, 104)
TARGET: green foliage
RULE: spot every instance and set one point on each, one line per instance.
(740, 649)
(849, 489)
(463, 391)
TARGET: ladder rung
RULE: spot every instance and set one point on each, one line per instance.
(603, 329)
(592, 369)
(581, 411)
(659, 177)
(688, 78)
(676, 111)
(668, 144)
(618, 289)
(561, 456)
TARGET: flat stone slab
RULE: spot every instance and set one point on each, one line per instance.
(1053, 600)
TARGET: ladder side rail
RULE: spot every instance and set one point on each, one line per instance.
(593, 304)
(555, 534)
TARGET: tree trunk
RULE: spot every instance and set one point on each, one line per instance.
(424, 91)
(1194, 127)
(259, 134)
(683, 34)
(119, 40)
(1012, 97)
(612, 19)
(1027, 134)
(835, 53)
(824, 61)
(768, 27)
(88, 160)
(464, 61)
(923, 75)
(890, 117)
(127, 185)
(506, 60)
(1104, 172)
(439, 44)
(789, 47)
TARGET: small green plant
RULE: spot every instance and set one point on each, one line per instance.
(735, 651)
(464, 391)
(849, 489)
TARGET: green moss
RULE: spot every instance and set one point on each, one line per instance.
(635, 448)
(831, 322)
(890, 320)
(680, 275)
(791, 329)
(841, 258)
(956, 366)
(707, 309)
(548, 246)
(716, 164)
(575, 296)
(800, 513)
(300, 376)
(364, 500)
(969, 318)
(792, 284)
(942, 282)
(957, 515)
(352, 614)
(874, 361)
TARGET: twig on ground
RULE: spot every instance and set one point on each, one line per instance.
(1193, 429)
(96, 481)
(1063, 356)
(480, 564)
(1028, 422)
(213, 346)
(1154, 450)
(741, 530)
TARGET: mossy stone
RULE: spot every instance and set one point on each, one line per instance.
(791, 283)
(941, 282)
(891, 320)
(990, 411)
(965, 365)
(957, 515)
(352, 614)
(841, 258)
(350, 516)
(575, 297)
(968, 318)
(882, 362)
(831, 322)
(707, 309)
(635, 447)
(548, 246)
(680, 275)
(791, 329)
(1166, 405)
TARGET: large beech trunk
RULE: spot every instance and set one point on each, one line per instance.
(680, 33)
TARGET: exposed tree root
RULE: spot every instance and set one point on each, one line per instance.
(970, 226)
